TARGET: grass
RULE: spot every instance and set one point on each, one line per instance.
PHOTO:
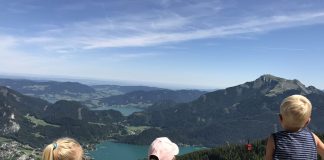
(3, 140)
(30, 151)
(38, 135)
(99, 124)
(39, 122)
(133, 130)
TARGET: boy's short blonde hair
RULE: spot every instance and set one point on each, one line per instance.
(296, 111)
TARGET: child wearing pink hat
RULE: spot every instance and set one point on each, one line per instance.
(162, 149)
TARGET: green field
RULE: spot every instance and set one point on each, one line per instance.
(2, 140)
(39, 122)
(136, 129)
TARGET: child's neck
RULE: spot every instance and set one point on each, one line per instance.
(293, 129)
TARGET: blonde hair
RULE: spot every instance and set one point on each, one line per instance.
(295, 111)
(63, 149)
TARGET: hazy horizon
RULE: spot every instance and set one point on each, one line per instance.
(91, 81)
(205, 44)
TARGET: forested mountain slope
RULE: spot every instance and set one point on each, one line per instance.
(234, 114)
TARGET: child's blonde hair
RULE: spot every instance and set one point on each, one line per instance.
(295, 111)
(63, 149)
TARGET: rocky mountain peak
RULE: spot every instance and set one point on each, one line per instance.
(267, 80)
(269, 77)
(271, 85)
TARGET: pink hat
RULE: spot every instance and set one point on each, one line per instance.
(163, 148)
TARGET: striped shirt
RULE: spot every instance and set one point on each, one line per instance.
(295, 145)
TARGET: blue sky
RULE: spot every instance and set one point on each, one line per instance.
(168, 43)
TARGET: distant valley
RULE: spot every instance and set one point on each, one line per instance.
(49, 110)
(99, 96)
(53, 91)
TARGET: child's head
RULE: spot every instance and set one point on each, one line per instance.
(163, 149)
(63, 149)
(295, 112)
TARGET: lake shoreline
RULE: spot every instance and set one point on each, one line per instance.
(118, 150)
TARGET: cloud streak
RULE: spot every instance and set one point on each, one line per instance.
(251, 26)
(154, 40)
(165, 27)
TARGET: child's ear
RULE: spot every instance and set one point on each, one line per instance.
(307, 121)
(280, 117)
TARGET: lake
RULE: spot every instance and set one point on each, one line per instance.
(109, 150)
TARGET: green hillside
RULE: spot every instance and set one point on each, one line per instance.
(246, 111)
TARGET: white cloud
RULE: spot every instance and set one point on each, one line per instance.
(38, 40)
(134, 55)
(251, 26)
(87, 47)
(7, 42)
(148, 30)
(14, 60)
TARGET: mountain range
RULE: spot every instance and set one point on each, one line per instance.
(35, 122)
(232, 115)
(29, 119)
(123, 89)
(53, 91)
(146, 98)
(48, 90)
(99, 95)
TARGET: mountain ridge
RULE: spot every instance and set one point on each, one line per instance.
(35, 122)
(231, 115)
(147, 98)
(96, 95)
(250, 108)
